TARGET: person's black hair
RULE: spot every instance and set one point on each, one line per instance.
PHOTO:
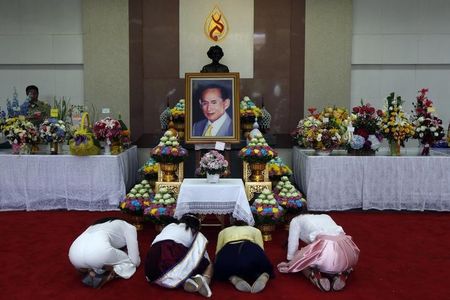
(192, 222)
(240, 223)
(107, 219)
(223, 91)
(31, 87)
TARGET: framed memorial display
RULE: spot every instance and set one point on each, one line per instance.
(212, 108)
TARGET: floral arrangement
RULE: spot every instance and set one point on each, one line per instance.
(19, 131)
(150, 169)
(257, 150)
(248, 110)
(394, 123)
(288, 196)
(169, 149)
(265, 208)
(137, 199)
(213, 163)
(107, 130)
(52, 130)
(162, 208)
(277, 168)
(323, 131)
(177, 112)
(366, 136)
(428, 127)
(125, 136)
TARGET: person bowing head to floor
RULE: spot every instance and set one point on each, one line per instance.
(328, 258)
(106, 250)
(178, 257)
(240, 258)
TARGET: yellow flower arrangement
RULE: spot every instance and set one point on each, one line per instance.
(394, 123)
(177, 112)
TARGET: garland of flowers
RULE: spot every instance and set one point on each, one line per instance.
(257, 150)
(150, 169)
(178, 111)
(137, 200)
(394, 123)
(288, 196)
(248, 110)
(277, 168)
(266, 209)
(168, 149)
(428, 127)
(366, 136)
(162, 208)
(213, 163)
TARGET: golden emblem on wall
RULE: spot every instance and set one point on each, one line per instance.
(216, 26)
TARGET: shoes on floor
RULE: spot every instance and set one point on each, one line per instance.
(240, 284)
(339, 280)
(204, 288)
(260, 283)
(192, 285)
(323, 283)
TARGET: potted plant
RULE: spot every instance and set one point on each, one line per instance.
(21, 134)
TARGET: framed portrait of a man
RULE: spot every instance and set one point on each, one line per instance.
(212, 108)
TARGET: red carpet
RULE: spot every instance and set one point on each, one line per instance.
(403, 256)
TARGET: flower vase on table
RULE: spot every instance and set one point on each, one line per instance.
(22, 149)
(213, 163)
(54, 148)
(107, 147)
(323, 152)
(212, 178)
(394, 147)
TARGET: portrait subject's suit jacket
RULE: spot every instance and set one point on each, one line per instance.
(225, 130)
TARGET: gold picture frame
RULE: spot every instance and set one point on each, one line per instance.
(204, 109)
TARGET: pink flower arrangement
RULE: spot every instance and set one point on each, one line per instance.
(367, 135)
(213, 163)
(107, 129)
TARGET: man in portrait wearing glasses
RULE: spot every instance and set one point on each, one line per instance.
(214, 102)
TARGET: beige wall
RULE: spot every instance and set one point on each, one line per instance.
(328, 50)
(106, 55)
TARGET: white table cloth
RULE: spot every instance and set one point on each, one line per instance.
(64, 181)
(341, 182)
(227, 196)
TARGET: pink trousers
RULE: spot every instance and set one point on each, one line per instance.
(329, 254)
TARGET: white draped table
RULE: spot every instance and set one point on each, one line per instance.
(64, 181)
(341, 182)
(226, 197)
